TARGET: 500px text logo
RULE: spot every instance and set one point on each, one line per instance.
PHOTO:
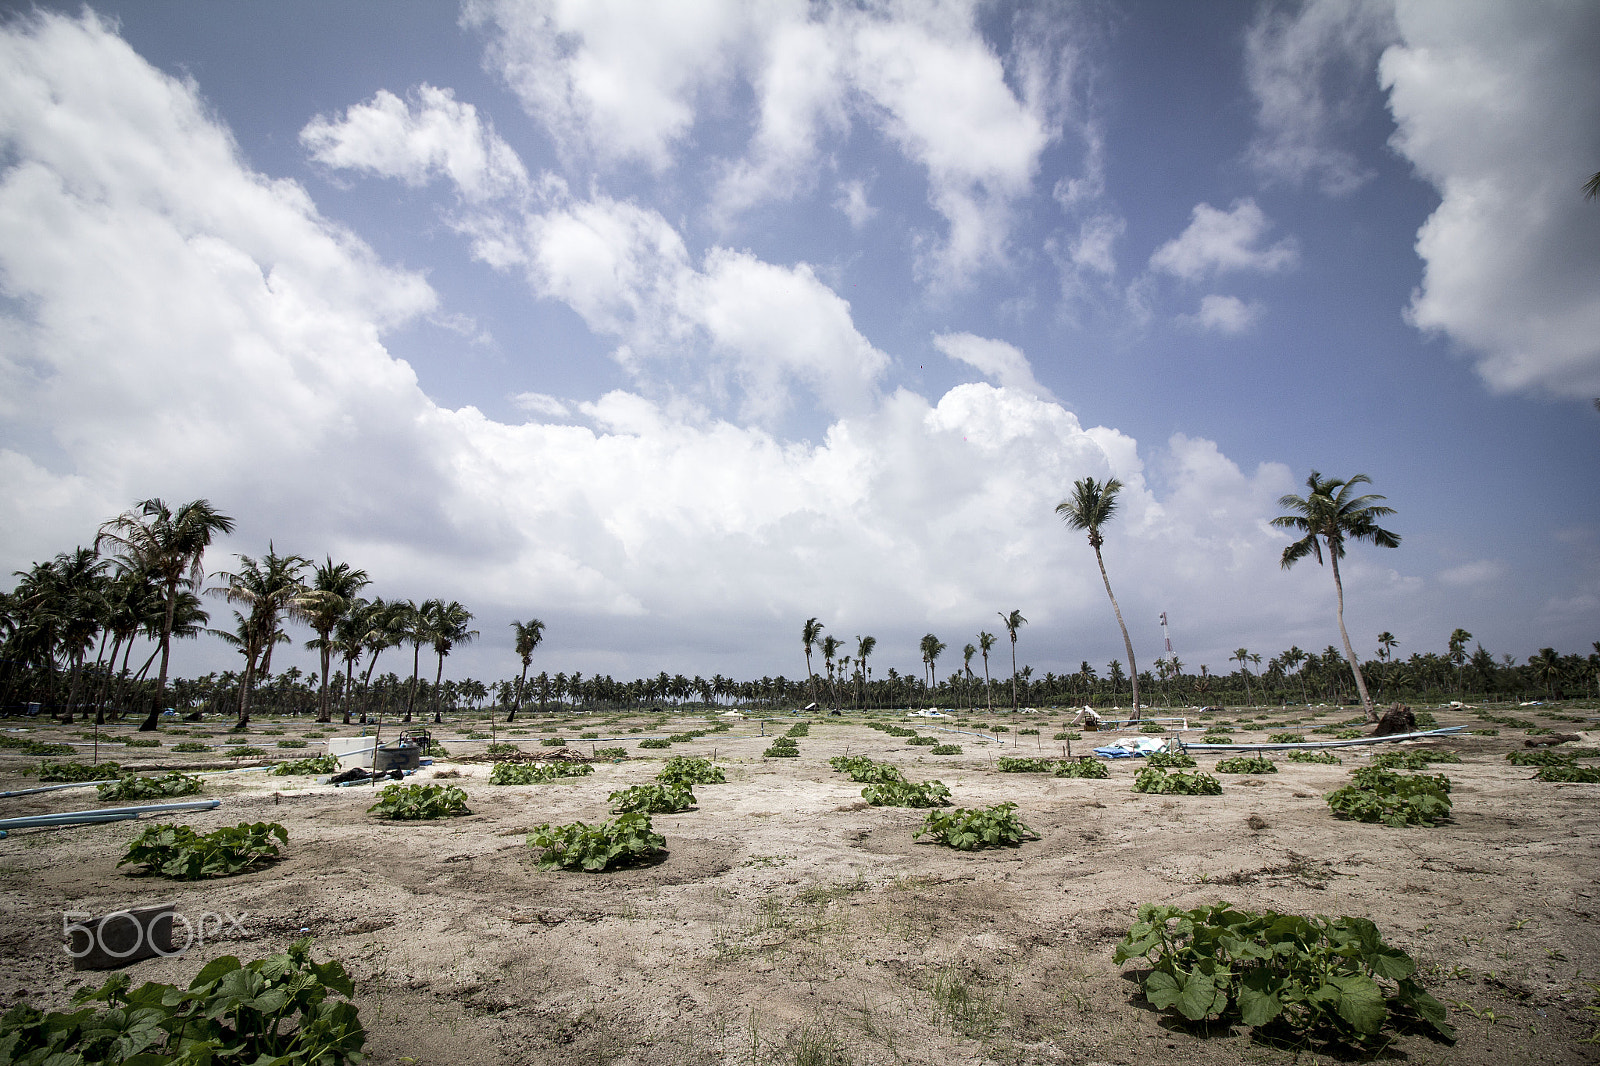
(130, 932)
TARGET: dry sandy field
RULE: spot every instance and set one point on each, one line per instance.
(793, 923)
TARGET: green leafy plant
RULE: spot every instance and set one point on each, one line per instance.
(279, 1010)
(1022, 764)
(864, 771)
(1315, 756)
(1378, 795)
(1286, 738)
(611, 753)
(136, 788)
(1152, 727)
(627, 840)
(291, 743)
(799, 729)
(967, 829)
(191, 745)
(1312, 976)
(1411, 760)
(945, 749)
(922, 742)
(1155, 780)
(435, 750)
(532, 773)
(1027, 732)
(686, 770)
(39, 747)
(783, 748)
(907, 794)
(552, 742)
(1171, 760)
(419, 802)
(1347, 734)
(77, 771)
(317, 764)
(1086, 766)
(655, 742)
(651, 799)
(178, 852)
(502, 749)
(1246, 764)
(247, 753)
(1569, 774)
(143, 742)
(1216, 738)
(1539, 757)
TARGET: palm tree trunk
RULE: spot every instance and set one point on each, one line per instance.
(517, 706)
(1127, 644)
(149, 724)
(1349, 652)
(988, 692)
(1013, 672)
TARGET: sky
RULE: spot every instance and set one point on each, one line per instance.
(674, 325)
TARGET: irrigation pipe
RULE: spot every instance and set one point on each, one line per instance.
(104, 814)
(114, 780)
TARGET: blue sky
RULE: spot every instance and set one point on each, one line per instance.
(674, 325)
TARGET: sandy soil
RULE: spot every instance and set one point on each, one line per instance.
(792, 923)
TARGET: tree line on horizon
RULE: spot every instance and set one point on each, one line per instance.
(144, 578)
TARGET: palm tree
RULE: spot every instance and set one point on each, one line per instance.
(529, 634)
(348, 639)
(447, 626)
(1242, 656)
(1013, 622)
(1091, 506)
(169, 545)
(270, 589)
(985, 645)
(414, 622)
(864, 647)
(332, 591)
(966, 664)
(932, 648)
(1458, 656)
(1386, 643)
(811, 636)
(830, 648)
(1327, 516)
(1591, 189)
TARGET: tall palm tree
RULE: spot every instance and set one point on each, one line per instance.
(1458, 656)
(966, 664)
(864, 648)
(986, 645)
(333, 590)
(811, 636)
(270, 589)
(1242, 657)
(830, 648)
(1013, 622)
(447, 626)
(349, 634)
(414, 620)
(170, 545)
(1327, 516)
(529, 635)
(932, 648)
(1091, 505)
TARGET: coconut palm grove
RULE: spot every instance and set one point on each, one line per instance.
(88, 634)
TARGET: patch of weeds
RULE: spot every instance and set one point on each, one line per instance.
(1027, 732)
(1083, 766)
(687, 770)
(1023, 764)
(319, 764)
(532, 773)
(588, 736)
(962, 1007)
(799, 729)
(967, 829)
(178, 852)
(246, 753)
(1171, 760)
(143, 742)
(1539, 757)
(420, 802)
(1377, 795)
(864, 771)
(1314, 976)
(613, 754)
(1348, 734)
(1315, 756)
(653, 742)
(138, 788)
(1153, 779)
(1570, 774)
(1286, 738)
(552, 742)
(651, 799)
(1411, 760)
(78, 771)
(1216, 738)
(191, 745)
(945, 749)
(1152, 727)
(627, 840)
(291, 743)
(1246, 764)
(923, 742)
(783, 748)
(907, 794)
(278, 1009)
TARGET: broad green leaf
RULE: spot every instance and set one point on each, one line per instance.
(1161, 989)
(1198, 997)
(1360, 1002)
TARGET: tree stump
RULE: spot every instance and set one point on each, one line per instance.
(1396, 720)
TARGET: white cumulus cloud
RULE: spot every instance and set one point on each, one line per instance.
(1225, 314)
(1003, 363)
(1498, 106)
(1221, 242)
